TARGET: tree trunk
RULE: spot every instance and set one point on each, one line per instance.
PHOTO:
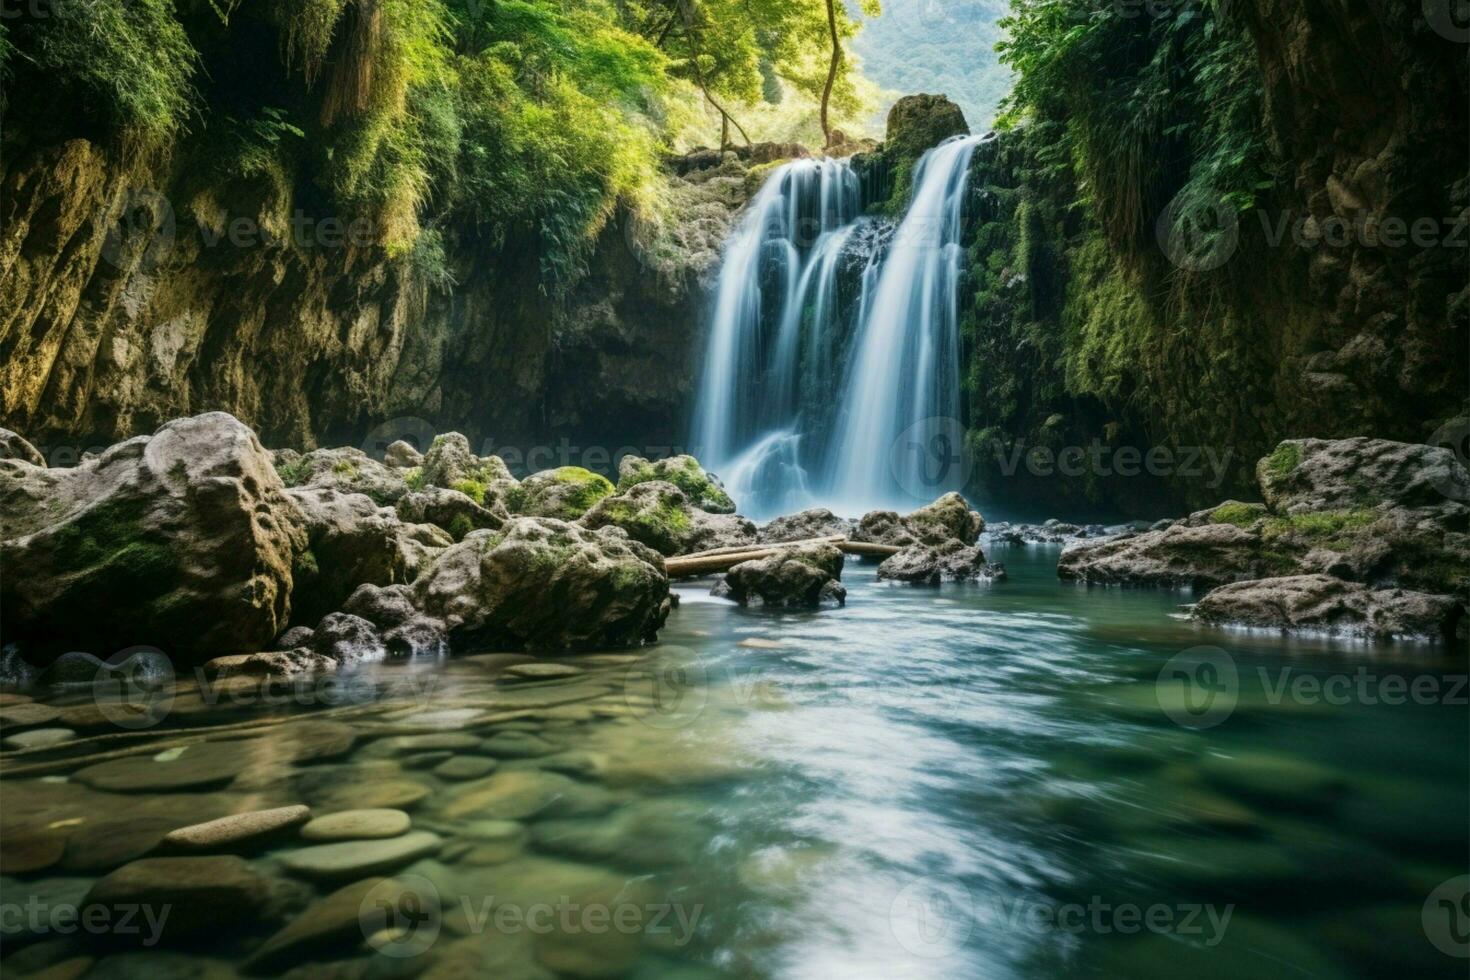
(831, 70)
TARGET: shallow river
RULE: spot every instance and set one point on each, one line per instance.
(1029, 779)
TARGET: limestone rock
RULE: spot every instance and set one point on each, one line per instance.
(923, 564)
(541, 583)
(451, 510)
(819, 522)
(565, 493)
(402, 456)
(1322, 603)
(1307, 475)
(948, 518)
(450, 462)
(350, 541)
(1177, 557)
(701, 488)
(14, 446)
(187, 536)
(660, 515)
(805, 577)
(346, 470)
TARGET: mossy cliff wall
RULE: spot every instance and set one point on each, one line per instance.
(1245, 267)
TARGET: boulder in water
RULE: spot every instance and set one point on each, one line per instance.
(1325, 604)
(923, 564)
(661, 516)
(183, 539)
(545, 584)
(949, 518)
(805, 577)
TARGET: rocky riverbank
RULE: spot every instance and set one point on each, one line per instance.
(1356, 537)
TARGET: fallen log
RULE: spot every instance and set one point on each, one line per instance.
(723, 559)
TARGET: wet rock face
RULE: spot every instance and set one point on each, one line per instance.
(805, 577)
(1180, 557)
(544, 584)
(186, 538)
(1326, 604)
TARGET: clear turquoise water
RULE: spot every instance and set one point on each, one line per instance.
(973, 781)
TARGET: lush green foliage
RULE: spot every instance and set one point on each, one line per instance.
(527, 122)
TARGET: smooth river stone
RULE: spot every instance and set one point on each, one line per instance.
(446, 718)
(357, 825)
(239, 828)
(434, 742)
(28, 714)
(202, 893)
(205, 764)
(350, 859)
(543, 671)
(39, 738)
(759, 643)
(465, 767)
(334, 922)
(518, 745)
(30, 849)
(392, 794)
(424, 760)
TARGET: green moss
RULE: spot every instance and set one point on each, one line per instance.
(1241, 515)
(414, 477)
(474, 489)
(459, 526)
(294, 473)
(1283, 460)
(590, 488)
(304, 565)
(344, 467)
(1319, 524)
(684, 473)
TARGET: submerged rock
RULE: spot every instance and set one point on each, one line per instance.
(1322, 603)
(544, 584)
(805, 577)
(702, 489)
(183, 539)
(199, 892)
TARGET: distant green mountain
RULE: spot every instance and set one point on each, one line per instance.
(940, 46)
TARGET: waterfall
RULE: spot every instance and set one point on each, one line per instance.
(903, 388)
(830, 337)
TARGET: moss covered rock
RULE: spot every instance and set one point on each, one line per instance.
(452, 510)
(545, 584)
(565, 493)
(661, 516)
(684, 472)
(948, 518)
(183, 539)
(805, 577)
(346, 470)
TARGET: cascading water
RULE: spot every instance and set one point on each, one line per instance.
(830, 340)
(901, 410)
